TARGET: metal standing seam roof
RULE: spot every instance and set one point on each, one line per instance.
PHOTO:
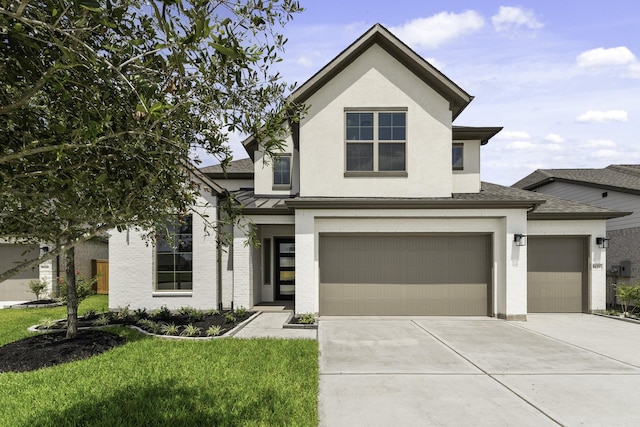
(624, 178)
(491, 196)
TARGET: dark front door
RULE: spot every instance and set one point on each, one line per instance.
(285, 268)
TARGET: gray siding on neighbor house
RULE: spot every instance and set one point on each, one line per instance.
(624, 246)
(17, 287)
(594, 196)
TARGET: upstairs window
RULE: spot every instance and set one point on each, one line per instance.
(174, 256)
(457, 156)
(282, 171)
(376, 141)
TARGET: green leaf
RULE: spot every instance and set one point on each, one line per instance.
(91, 5)
(225, 50)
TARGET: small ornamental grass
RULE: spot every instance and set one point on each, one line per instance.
(190, 331)
(214, 331)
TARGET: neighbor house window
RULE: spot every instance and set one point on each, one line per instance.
(282, 171)
(458, 156)
(376, 141)
(174, 256)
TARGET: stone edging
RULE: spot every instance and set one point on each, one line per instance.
(229, 334)
(288, 325)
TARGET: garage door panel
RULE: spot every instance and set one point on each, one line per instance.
(401, 299)
(556, 279)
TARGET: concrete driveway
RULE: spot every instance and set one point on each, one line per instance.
(556, 369)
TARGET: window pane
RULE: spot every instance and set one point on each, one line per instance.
(359, 157)
(359, 126)
(391, 126)
(165, 282)
(184, 243)
(184, 262)
(457, 156)
(399, 119)
(184, 281)
(282, 170)
(391, 157)
(165, 262)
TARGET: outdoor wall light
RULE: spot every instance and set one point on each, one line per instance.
(44, 250)
(520, 239)
(602, 242)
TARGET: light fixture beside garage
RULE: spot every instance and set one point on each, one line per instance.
(602, 242)
(520, 239)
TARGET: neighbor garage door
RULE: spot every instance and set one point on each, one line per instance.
(390, 274)
(17, 287)
(556, 279)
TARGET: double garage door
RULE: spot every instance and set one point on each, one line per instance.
(445, 274)
(413, 274)
(17, 287)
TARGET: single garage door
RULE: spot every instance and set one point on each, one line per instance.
(556, 278)
(17, 287)
(391, 274)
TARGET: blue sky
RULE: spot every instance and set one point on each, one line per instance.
(561, 77)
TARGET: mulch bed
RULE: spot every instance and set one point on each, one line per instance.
(51, 348)
(44, 350)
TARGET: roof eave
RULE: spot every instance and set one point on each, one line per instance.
(575, 215)
(412, 204)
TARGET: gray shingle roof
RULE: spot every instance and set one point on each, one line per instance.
(242, 168)
(491, 196)
(624, 178)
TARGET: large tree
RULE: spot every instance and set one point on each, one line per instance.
(102, 103)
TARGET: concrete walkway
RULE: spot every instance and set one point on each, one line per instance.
(269, 325)
(551, 370)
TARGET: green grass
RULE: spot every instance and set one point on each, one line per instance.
(150, 381)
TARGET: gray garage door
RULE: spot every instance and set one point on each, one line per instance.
(556, 278)
(391, 274)
(17, 288)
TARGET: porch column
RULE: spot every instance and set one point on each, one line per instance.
(306, 263)
(242, 269)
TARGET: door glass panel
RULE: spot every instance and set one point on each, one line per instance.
(287, 248)
(287, 276)
(287, 289)
(287, 261)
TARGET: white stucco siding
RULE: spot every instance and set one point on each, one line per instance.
(509, 266)
(467, 180)
(263, 172)
(132, 275)
(596, 264)
(376, 80)
(615, 200)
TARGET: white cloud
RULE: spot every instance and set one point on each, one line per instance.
(597, 143)
(596, 116)
(513, 134)
(520, 145)
(554, 138)
(436, 30)
(509, 17)
(601, 57)
(552, 147)
(304, 61)
(604, 154)
(439, 65)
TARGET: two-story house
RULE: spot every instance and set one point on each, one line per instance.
(375, 207)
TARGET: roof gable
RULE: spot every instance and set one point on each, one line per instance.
(457, 97)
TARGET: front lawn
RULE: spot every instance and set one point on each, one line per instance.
(151, 381)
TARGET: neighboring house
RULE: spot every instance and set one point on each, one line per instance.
(614, 187)
(17, 287)
(374, 207)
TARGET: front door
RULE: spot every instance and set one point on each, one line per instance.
(285, 268)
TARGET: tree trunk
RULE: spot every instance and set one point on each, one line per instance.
(72, 297)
